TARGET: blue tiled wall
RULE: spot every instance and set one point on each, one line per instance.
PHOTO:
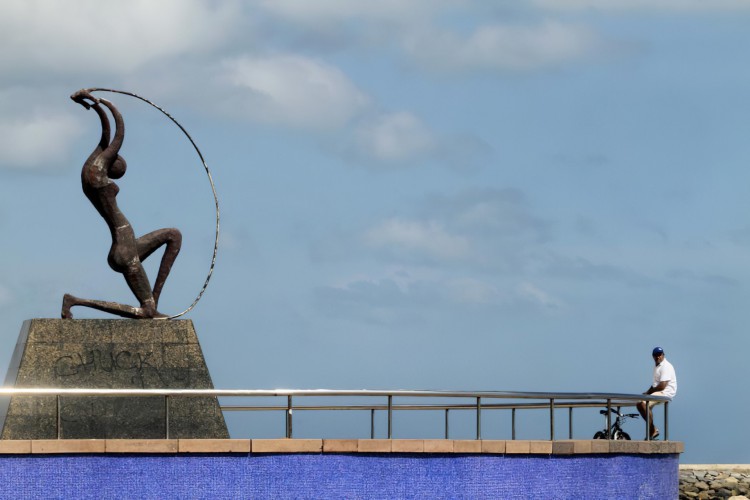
(339, 476)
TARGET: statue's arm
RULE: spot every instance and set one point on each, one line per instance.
(95, 170)
(82, 97)
(110, 153)
(104, 141)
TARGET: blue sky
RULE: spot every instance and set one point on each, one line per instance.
(438, 194)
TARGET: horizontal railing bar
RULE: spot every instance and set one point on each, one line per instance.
(36, 391)
(504, 406)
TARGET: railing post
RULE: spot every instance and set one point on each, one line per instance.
(551, 419)
(479, 418)
(59, 419)
(609, 418)
(570, 423)
(666, 421)
(166, 417)
(513, 423)
(446, 422)
(390, 416)
(372, 423)
(648, 420)
(289, 417)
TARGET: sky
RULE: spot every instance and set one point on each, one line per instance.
(433, 194)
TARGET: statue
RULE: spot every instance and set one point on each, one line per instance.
(127, 252)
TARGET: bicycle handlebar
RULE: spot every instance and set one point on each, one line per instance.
(616, 412)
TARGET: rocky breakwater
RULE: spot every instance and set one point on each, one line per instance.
(715, 481)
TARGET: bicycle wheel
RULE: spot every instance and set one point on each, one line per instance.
(622, 435)
(600, 435)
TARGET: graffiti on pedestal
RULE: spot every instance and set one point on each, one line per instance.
(140, 369)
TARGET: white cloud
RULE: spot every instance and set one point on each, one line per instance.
(86, 36)
(411, 298)
(394, 137)
(473, 291)
(332, 11)
(536, 295)
(501, 216)
(37, 141)
(485, 231)
(649, 5)
(426, 238)
(502, 47)
(401, 139)
(291, 90)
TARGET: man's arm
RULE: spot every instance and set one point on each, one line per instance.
(658, 387)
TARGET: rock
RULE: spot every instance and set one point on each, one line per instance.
(710, 484)
(701, 485)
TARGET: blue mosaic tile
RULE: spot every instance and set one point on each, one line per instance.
(350, 476)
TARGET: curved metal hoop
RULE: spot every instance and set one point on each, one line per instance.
(210, 180)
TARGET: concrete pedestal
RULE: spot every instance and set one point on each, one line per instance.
(114, 354)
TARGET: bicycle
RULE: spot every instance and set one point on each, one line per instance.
(616, 431)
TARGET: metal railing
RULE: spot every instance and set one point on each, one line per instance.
(482, 401)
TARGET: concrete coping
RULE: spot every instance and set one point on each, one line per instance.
(392, 446)
(717, 467)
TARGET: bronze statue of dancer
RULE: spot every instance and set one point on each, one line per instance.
(127, 251)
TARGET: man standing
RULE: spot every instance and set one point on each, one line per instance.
(665, 384)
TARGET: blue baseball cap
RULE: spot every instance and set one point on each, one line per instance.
(657, 351)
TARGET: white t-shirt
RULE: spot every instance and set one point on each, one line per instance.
(664, 371)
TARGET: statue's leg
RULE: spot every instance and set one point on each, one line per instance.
(124, 258)
(123, 310)
(148, 243)
(137, 280)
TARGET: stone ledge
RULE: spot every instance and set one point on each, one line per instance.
(340, 446)
(15, 446)
(563, 448)
(40, 446)
(625, 446)
(599, 446)
(213, 445)
(140, 445)
(445, 446)
(407, 446)
(438, 446)
(286, 445)
(467, 446)
(515, 447)
(374, 445)
(493, 446)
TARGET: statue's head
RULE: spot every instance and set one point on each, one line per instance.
(117, 168)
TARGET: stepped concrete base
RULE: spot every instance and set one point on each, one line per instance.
(112, 354)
